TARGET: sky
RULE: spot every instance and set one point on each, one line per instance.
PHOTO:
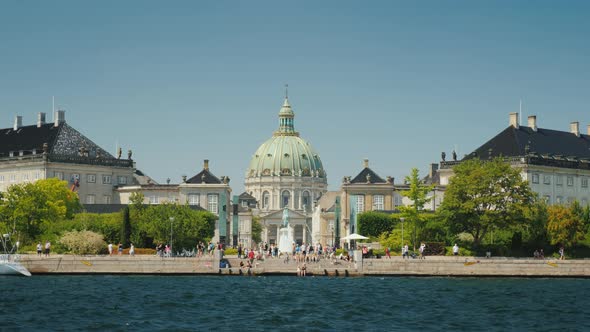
(396, 82)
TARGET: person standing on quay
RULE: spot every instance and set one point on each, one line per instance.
(120, 250)
(387, 253)
(39, 249)
(47, 248)
(422, 247)
(110, 246)
(455, 250)
(132, 250)
(561, 253)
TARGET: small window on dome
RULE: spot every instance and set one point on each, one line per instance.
(269, 155)
(256, 156)
(304, 156)
(287, 155)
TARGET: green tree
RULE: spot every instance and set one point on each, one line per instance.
(418, 195)
(373, 223)
(256, 229)
(26, 207)
(126, 227)
(485, 195)
(565, 224)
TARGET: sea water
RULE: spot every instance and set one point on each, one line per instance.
(200, 303)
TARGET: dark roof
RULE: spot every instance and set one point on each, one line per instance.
(362, 177)
(28, 138)
(204, 177)
(512, 142)
(246, 197)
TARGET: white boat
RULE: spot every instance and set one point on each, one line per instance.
(9, 265)
(9, 262)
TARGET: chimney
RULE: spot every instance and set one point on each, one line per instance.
(40, 119)
(18, 122)
(514, 120)
(575, 128)
(206, 164)
(533, 122)
(433, 169)
(59, 117)
(366, 163)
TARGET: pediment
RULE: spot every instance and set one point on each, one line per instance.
(279, 215)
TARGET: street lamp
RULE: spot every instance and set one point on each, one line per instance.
(171, 221)
(402, 220)
(332, 229)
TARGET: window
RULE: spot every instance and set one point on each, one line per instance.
(558, 180)
(547, 179)
(535, 178)
(360, 203)
(584, 182)
(1, 178)
(397, 200)
(91, 178)
(285, 197)
(570, 181)
(59, 175)
(194, 199)
(558, 200)
(213, 203)
(37, 175)
(25, 177)
(265, 200)
(106, 179)
(154, 199)
(584, 202)
(378, 202)
(306, 200)
(106, 199)
(547, 199)
(12, 177)
(122, 180)
(245, 204)
(90, 199)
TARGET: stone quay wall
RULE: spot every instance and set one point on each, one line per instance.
(396, 266)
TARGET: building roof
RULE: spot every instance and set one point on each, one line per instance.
(28, 138)
(246, 197)
(512, 142)
(362, 177)
(205, 176)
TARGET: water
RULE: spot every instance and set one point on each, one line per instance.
(157, 303)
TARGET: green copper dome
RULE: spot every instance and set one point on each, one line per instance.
(286, 154)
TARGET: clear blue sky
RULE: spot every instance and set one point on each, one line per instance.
(396, 82)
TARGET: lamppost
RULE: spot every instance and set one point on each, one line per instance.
(171, 221)
(402, 220)
(332, 229)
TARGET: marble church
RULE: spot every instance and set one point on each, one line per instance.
(286, 172)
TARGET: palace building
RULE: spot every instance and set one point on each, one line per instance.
(555, 163)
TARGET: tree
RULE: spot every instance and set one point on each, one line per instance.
(485, 195)
(256, 229)
(26, 207)
(373, 223)
(565, 224)
(417, 193)
(125, 227)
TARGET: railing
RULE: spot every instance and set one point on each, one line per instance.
(71, 159)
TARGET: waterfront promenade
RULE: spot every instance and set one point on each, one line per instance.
(396, 266)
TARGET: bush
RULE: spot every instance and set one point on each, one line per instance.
(83, 242)
(230, 251)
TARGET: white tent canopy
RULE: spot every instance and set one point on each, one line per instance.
(354, 236)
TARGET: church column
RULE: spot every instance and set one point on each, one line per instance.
(301, 200)
(277, 241)
(304, 233)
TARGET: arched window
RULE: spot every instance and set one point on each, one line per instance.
(306, 201)
(285, 197)
(265, 200)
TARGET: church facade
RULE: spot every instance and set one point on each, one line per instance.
(285, 171)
